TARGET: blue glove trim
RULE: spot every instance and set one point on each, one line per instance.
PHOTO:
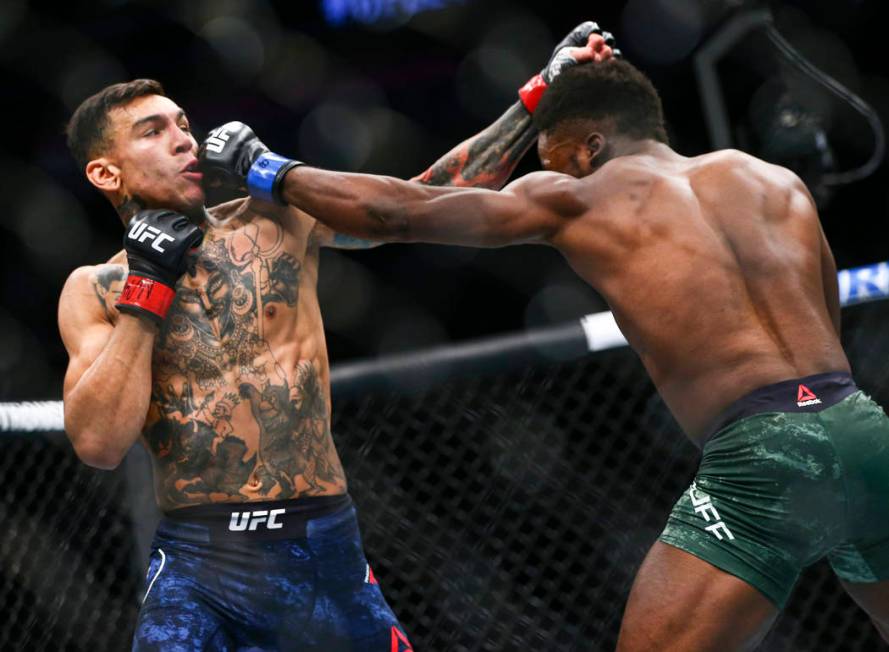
(262, 174)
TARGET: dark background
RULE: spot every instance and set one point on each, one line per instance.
(387, 97)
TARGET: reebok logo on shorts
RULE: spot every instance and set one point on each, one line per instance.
(399, 642)
(369, 576)
(805, 396)
(704, 507)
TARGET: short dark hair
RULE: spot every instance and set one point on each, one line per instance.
(612, 89)
(87, 129)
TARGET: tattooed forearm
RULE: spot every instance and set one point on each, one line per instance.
(487, 159)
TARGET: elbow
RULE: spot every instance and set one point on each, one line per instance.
(100, 440)
(98, 457)
(95, 451)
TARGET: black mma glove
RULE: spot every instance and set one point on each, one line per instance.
(563, 57)
(234, 157)
(156, 242)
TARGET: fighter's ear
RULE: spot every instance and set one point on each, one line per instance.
(592, 152)
(103, 174)
(595, 144)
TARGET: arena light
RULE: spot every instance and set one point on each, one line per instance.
(369, 12)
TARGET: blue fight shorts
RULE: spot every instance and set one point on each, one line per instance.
(276, 575)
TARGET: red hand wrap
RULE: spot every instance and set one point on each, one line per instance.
(147, 294)
(531, 92)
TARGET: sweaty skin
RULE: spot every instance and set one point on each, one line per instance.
(240, 401)
(232, 394)
(717, 272)
(719, 275)
(237, 404)
(716, 267)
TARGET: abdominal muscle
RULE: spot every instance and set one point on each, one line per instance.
(240, 406)
(247, 438)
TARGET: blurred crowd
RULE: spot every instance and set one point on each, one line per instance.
(387, 86)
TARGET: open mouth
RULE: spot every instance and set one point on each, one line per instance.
(192, 171)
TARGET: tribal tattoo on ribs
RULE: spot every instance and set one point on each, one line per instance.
(211, 359)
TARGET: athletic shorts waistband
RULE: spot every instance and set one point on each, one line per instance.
(807, 394)
(257, 521)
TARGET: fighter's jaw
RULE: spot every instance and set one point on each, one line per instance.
(185, 195)
(193, 206)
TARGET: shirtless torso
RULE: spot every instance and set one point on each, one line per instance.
(218, 364)
(719, 275)
(716, 267)
(240, 398)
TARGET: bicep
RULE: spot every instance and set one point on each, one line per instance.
(86, 347)
(84, 328)
(474, 218)
(531, 209)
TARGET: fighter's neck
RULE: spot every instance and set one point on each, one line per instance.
(646, 147)
(127, 207)
(130, 205)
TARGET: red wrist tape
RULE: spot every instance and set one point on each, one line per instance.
(146, 294)
(532, 91)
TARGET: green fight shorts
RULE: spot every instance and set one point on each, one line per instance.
(793, 472)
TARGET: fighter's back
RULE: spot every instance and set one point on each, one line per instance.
(716, 270)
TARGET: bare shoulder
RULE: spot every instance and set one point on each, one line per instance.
(228, 209)
(730, 182)
(78, 280)
(742, 177)
(560, 193)
(86, 277)
(540, 181)
(120, 258)
(734, 160)
(90, 292)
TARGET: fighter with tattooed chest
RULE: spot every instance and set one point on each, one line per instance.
(203, 338)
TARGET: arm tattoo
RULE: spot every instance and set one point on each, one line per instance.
(343, 241)
(487, 159)
(484, 161)
(294, 439)
(327, 237)
(107, 283)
